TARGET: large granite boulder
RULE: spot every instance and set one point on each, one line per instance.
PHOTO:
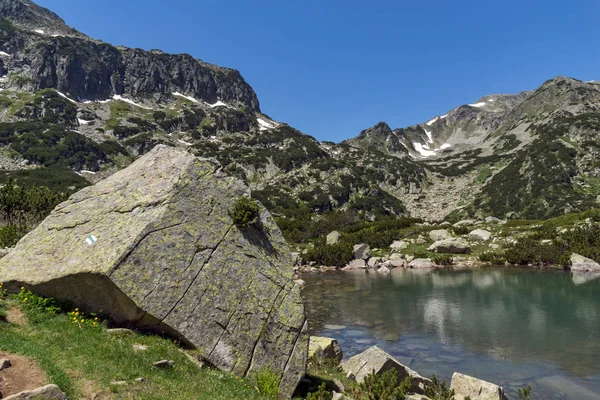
(474, 388)
(374, 360)
(154, 246)
(580, 263)
(333, 237)
(362, 251)
(480, 235)
(451, 246)
(439, 234)
(324, 347)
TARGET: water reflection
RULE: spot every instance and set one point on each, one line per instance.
(516, 325)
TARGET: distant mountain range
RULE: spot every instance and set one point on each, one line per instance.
(75, 108)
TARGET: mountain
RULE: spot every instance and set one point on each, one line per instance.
(75, 109)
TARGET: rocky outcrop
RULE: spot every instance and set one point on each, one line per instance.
(477, 389)
(323, 348)
(439, 234)
(480, 235)
(154, 246)
(580, 263)
(451, 246)
(374, 360)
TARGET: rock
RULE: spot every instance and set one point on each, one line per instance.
(439, 234)
(140, 347)
(398, 245)
(492, 220)
(452, 246)
(582, 264)
(5, 251)
(355, 264)
(476, 389)
(4, 364)
(323, 347)
(480, 235)
(396, 256)
(120, 332)
(362, 251)
(369, 216)
(333, 237)
(464, 222)
(398, 263)
(48, 392)
(384, 270)
(169, 258)
(296, 259)
(409, 258)
(339, 396)
(118, 383)
(339, 385)
(420, 240)
(300, 282)
(378, 361)
(416, 397)
(140, 380)
(495, 246)
(373, 262)
(164, 364)
(421, 263)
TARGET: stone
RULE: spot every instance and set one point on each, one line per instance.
(300, 282)
(373, 262)
(324, 348)
(476, 389)
(375, 360)
(421, 263)
(362, 251)
(492, 220)
(439, 234)
(140, 347)
(48, 392)
(118, 383)
(582, 264)
(416, 397)
(339, 396)
(120, 332)
(179, 265)
(333, 237)
(451, 246)
(4, 364)
(140, 380)
(369, 216)
(398, 263)
(464, 222)
(164, 364)
(409, 258)
(480, 235)
(296, 259)
(384, 270)
(399, 245)
(396, 256)
(355, 264)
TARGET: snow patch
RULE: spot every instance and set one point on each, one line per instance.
(220, 104)
(119, 97)
(83, 121)
(193, 100)
(186, 143)
(83, 171)
(478, 105)
(4, 54)
(265, 125)
(429, 137)
(422, 151)
(40, 31)
(445, 146)
(433, 121)
(491, 100)
(65, 96)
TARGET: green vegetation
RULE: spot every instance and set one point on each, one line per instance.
(438, 390)
(267, 382)
(321, 394)
(335, 255)
(383, 387)
(442, 259)
(245, 212)
(22, 208)
(525, 393)
(55, 177)
(83, 358)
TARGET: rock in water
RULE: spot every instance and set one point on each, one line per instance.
(154, 247)
(477, 389)
(582, 264)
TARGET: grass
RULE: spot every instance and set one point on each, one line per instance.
(83, 360)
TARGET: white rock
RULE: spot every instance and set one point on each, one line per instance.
(476, 389)
(480, 235)
(582, 264)
(421, 263)
(399, 245)
(333, 237)
(439, 234)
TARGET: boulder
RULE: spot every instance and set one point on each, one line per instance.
(384, 270)
(397, 263)
(373, 262)
(48, 392)
(476, 389)
(396, 256)
(375, 360)
(452, 246)
(323, 347)
(492, 220)
(362, 251)
(398, 245)
(333, 237)
(439, 234)
(480, 235)
(421, 263)
(464, 222)
(154, 247)
(355, 264)
(582, 264)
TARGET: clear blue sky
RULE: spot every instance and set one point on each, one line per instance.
(332, 68)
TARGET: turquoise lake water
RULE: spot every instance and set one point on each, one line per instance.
(512, 327)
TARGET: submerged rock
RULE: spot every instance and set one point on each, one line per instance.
(154, 246)
(476, 389)
(375, 360)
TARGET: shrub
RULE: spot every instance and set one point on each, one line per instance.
(245, 212)
(10, 235)
(335, 255)
(383, 387)
(525, 393)
(460, 230)
(438, 390)
(267, 382)
(442, 259)
(321, 394)
(492, 257)
(38, 307)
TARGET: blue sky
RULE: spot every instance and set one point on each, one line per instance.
(331, 68)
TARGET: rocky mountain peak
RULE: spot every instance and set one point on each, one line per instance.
(32, 17)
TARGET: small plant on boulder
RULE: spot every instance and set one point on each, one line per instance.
(245, 212)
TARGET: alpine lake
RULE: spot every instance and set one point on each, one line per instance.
(510, 326)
